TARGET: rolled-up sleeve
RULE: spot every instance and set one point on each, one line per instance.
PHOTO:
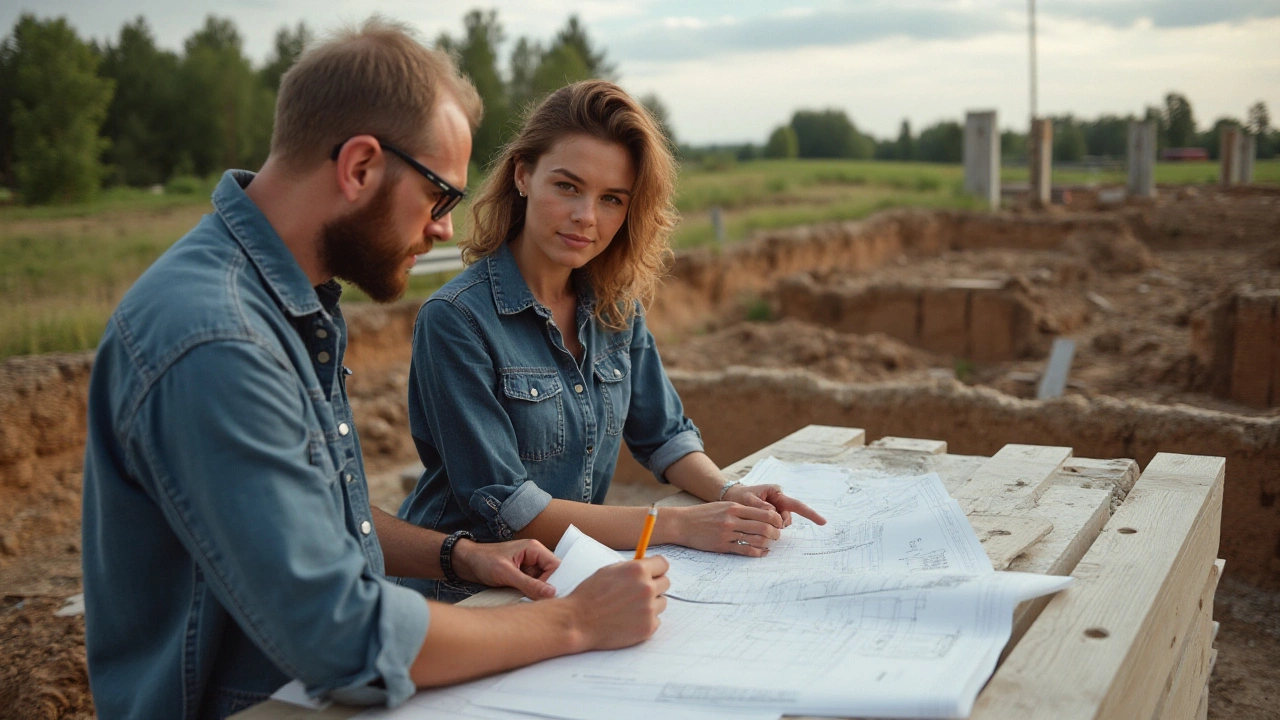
(656, 431)
(223, 443)
(453, 389)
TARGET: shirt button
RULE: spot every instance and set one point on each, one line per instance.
(533, 392)
(617, 372)
(343, 429)
(350, 477)
(577, 389)
(322, 333)
(365, 527)
(322, 356)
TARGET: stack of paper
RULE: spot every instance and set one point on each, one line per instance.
(892, 609)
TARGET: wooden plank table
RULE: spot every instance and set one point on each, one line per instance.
(1131, 639)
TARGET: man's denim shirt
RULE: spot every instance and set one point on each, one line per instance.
(505, 418)
(228, 542)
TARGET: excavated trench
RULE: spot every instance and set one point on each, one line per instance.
(911, 323)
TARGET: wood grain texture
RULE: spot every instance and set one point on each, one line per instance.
(920, 445)
(1012, 480)
(1186, 682)
(1103, 648)
(1005, 537)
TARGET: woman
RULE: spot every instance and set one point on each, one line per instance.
(534, 364)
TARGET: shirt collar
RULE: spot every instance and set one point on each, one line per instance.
(280, 271)
(511, 294)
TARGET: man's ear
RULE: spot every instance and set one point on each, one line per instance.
(361, 165)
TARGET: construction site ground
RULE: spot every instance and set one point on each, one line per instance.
(1131, 304)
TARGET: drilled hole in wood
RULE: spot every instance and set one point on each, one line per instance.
(1096, 633)
(1127, 531)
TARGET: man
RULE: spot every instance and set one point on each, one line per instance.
(229, 544)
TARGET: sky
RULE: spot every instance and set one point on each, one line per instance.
(731, 71)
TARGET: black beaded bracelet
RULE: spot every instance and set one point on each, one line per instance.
(446, 555)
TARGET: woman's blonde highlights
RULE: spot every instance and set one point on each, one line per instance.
(626, 275)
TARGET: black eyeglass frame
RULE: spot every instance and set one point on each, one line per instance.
(443, 206)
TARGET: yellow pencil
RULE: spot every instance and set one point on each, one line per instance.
(647, 533)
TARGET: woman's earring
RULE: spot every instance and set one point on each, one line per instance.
(521, 192)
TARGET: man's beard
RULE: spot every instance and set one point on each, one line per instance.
(362, 248)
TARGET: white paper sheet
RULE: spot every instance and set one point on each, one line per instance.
(892, 610)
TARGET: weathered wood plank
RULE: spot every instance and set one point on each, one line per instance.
(1102, 648)
(1181, 694)
(1079, 514)
(813, 443)
(1012, 480)
(1005, 537)
(920, 445)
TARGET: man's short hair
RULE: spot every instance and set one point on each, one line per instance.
(377, 79)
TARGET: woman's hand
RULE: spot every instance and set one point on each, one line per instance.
(727, 527)
(771, 497)
(521, 564)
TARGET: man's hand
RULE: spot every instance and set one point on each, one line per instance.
(771, 497)
(521, 564)
(619, 605)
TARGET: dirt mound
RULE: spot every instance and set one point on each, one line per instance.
(791, 344)
(1111, 252)
(43, 676)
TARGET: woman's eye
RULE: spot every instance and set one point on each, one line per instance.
(613, 199)
(565, 186)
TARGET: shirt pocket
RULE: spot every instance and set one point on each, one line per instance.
(613, 371)
(536, 407)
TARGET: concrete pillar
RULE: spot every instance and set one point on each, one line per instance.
(1142, 158)
(1229, 156)
(982, 156)
(1248, 150)
(1040, 159)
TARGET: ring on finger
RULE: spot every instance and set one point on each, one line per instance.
(740, 541)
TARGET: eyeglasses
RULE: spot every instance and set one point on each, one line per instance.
(452, 195)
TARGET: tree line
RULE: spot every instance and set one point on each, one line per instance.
(831, 134)
(76, 116)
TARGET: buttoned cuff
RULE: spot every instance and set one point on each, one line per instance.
(683, 443)
(402, 628)
(519, 509)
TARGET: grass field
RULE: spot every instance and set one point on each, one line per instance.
(64, 268)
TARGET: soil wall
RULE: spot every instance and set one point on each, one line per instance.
(741, 410)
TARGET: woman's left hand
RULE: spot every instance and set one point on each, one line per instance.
(771, 497)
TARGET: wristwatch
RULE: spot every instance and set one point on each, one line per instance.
(446, 555)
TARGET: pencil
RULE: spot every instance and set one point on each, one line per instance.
(647, 533)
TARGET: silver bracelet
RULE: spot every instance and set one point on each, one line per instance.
(726, 487)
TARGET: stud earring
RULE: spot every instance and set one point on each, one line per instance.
(521, 192)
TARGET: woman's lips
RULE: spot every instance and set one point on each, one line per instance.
(574, 241)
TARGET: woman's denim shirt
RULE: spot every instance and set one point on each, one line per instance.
(505, 418)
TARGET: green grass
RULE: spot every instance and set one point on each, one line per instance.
(1182, 173)
(64, 268)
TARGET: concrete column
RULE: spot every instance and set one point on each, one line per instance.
(1229, 156)
(982, 156)
(1248, 150)
(1040, 159)
(1142, 158)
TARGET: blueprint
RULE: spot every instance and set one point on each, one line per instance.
(890, 610)
(875, 526)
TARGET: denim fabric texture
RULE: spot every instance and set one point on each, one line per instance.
(228, 543)
(505, 418)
